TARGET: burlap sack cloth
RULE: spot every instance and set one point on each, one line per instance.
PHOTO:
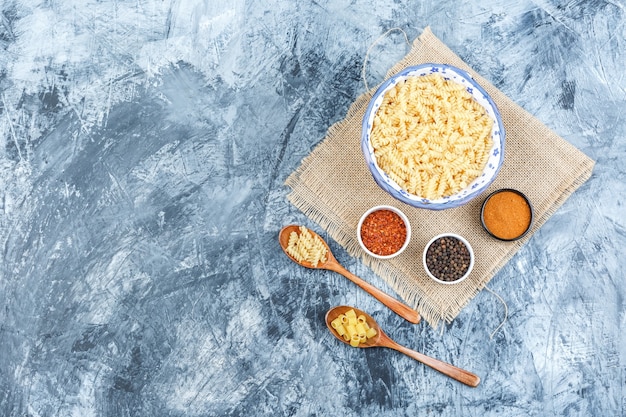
(334, 188)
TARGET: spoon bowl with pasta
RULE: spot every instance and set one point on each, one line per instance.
(307, 248)
(338, 322)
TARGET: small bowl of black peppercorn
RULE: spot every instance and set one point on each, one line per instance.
(448, 258)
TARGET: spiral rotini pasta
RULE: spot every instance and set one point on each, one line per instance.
(431, 137)
(304, 246)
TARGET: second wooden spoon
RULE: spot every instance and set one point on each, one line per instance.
(332, 264)
(382, 340)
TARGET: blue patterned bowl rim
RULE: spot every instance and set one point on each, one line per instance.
(496, 156)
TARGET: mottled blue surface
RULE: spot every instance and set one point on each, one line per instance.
(144, 147)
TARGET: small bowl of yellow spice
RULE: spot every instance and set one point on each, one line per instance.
(507, 214)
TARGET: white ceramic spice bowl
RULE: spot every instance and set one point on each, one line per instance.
(469, 248)
(404, 218)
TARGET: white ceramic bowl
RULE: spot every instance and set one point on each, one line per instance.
(469, 248)
(404, 218)
(496, 156)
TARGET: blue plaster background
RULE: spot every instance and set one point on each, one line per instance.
(143, 149)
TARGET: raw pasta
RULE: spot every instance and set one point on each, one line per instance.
(431, 137)
(304, 246)
(353, 329)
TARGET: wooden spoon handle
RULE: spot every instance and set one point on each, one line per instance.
(396, 306)
(452, 371)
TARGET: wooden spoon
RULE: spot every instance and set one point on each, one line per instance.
(382, 340)
(332, 264)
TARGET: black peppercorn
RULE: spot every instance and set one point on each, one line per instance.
(447, 258)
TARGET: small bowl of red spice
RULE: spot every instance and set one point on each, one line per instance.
(384, 232)
(507, 214)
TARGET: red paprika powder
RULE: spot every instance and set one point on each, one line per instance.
(383, 232)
